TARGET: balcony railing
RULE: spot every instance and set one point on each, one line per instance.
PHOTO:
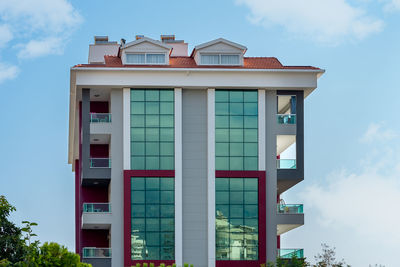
(100, 117)
(96, 252)
(286, 164)
(100, 163)
(97, 207)
(286, 118)
(290, 208)
(290, 253)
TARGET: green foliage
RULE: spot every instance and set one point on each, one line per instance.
(12, 246)
(173, 265)
(151, 264)
(162, 265)
(145, 265)
(18, 250)
(186, 265)
(328, 258)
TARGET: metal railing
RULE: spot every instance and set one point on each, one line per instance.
(290, 253)
(97, 207)
(286, 163)
(286, 118)
(100, 117)
(100, 163)
(290, 208)
(90, 252)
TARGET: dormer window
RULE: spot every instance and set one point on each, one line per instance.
(219, 59)
(145, 58)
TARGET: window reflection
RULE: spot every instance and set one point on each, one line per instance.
(152, 224)
(236, 218)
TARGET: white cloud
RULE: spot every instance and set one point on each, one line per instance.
(376, 133)
(5, 34)
(392, 5)
(37, 48)
(328, 21)
(7, 72)
(41, 26)
(43, 15)
(356, 208)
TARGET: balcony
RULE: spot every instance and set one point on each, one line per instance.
(286, 164)
(100, 117)
(96, 216)
(97, 256)
(290, 253)
(100, 163)
(96, 253)
(97, 207)
(289, 217)
(286, 118)
(290, 208)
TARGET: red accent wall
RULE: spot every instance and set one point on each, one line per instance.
(94, 194)
(77, 207)
(95, 238)
(261, 217)
(278, 239)
(127, 212)
(99, 151)
(99, 107)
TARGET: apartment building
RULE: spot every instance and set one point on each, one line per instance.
(183, 157)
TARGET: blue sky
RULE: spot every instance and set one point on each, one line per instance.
(351, 189)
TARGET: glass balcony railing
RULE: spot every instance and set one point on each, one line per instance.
(96, 253)
(286, 118)
(100, 117)
(290, 208)
(286, 164)
(97, 207)
(100, 163)
(290, 253)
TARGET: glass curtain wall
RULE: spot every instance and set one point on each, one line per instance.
(236, 218)
(236, 130)
(152, 129)
(152, 215)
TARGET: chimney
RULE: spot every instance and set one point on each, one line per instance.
(139, 36)
(101, 47)
(167, 38)
(179, 47)
(100, 40)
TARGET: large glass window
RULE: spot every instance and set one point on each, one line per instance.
(142, 58)
(219, 59)
(236, 218)
(236, 130)
(152, 218)
(152, 129)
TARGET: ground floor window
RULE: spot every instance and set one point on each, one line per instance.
(236, 218)
(152, 218)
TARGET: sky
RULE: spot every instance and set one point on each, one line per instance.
(351, 190)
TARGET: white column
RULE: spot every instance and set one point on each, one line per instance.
(126, 132)
(178, 179)
(211, 175)
(261, 130)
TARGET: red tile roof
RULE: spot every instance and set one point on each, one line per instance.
(189, 62)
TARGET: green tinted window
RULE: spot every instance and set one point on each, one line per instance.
(152, 129)
(236, 129)
(236, 218)
(152, 218)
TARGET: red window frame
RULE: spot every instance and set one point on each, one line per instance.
(261, 217)
(127, 213)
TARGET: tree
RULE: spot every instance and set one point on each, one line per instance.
(328, 258)
(12, 246)
(18, 250)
